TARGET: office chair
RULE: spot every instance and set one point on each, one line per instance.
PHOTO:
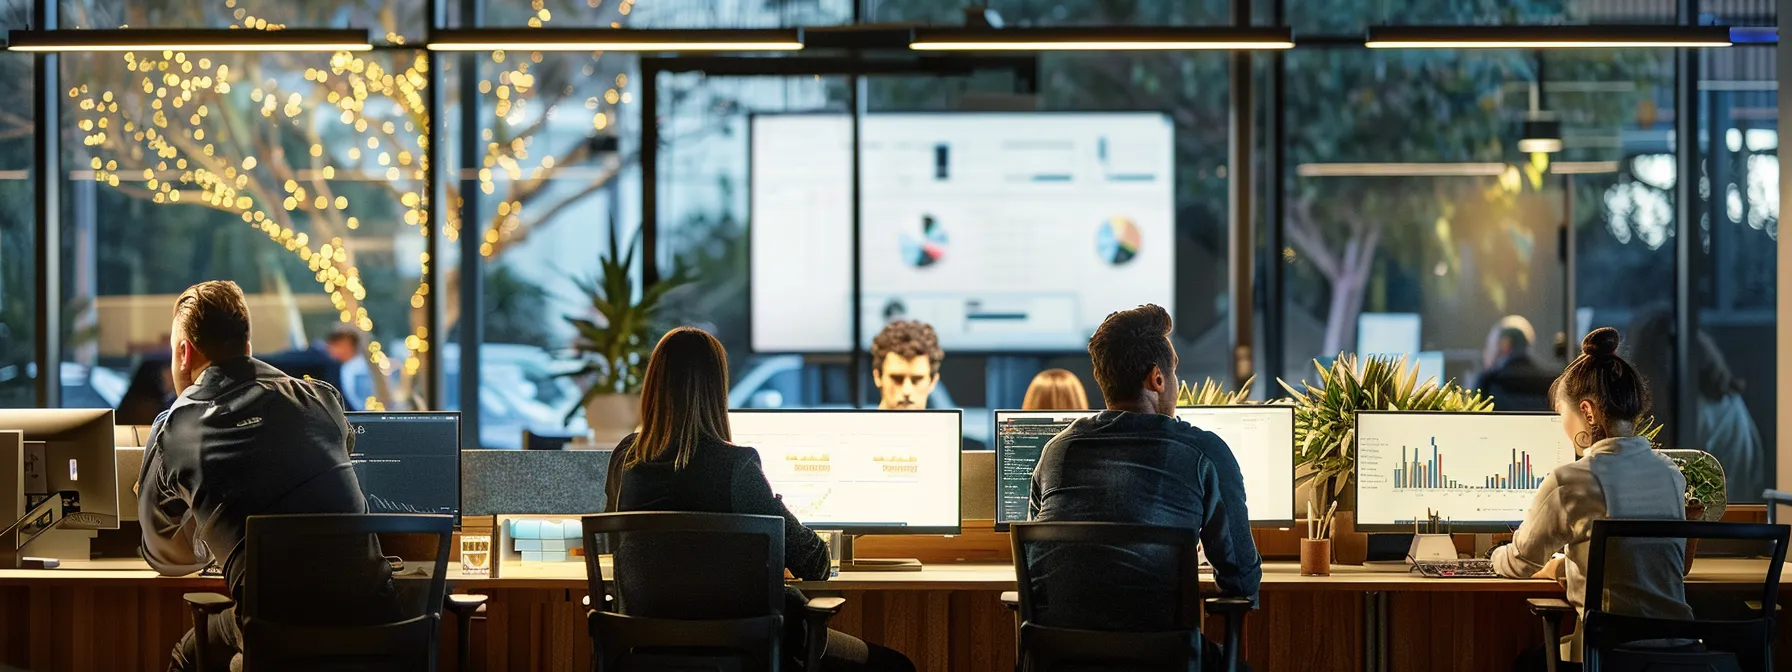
(323, 592)
(1110, 596)
(694, 591)
(1774, 499)
(1731, 645)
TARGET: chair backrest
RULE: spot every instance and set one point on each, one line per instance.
(1107, 596)
(691, 590)
(1746, 640)
(343, 591)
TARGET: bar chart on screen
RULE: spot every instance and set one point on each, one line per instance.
(1469, 467)
(1424, 470)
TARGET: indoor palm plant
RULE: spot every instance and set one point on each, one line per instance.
(1325, 414)
(615, 345)
(1213, 393)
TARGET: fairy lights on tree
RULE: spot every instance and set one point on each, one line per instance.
(285, 153)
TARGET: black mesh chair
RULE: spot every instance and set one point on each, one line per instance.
(1610, 642)
(1109, 596)
(337, 592)
(694, 591)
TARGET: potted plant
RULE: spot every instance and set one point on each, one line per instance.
(1325, 426)
(1213, 393)
(617, 342)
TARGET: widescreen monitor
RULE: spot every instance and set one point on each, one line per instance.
(1477, 471)
(69, 450)
(860, 471)
(1261, 439)
(1007, 231)
(408, 462)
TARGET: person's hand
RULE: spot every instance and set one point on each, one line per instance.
(1550, 570)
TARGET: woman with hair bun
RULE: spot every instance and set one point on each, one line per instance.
(1601, 398)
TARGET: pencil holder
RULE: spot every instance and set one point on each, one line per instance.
(1316, 557)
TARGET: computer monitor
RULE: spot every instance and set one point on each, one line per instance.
(860, 471)
(69, 450)
(1388, 333)
(407, 462)
(1261, 438)
(1478, 471)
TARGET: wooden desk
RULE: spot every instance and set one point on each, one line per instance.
(947, 617)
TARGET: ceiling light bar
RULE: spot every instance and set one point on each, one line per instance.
(189, 39)
(1399, 169)
(1546, 37)
(615, 39)
(1097, 38)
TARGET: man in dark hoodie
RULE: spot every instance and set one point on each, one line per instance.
(1136, 463)
(242, 439)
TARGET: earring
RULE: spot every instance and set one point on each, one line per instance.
(1583, 439)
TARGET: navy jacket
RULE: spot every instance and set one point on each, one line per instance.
(1151, 469)
(244, 440)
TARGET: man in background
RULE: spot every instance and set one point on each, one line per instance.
(343, 344)
(1137, 463)
(905, 364)
(1510, 375)
(242, 439)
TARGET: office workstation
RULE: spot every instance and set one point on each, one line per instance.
(933, 334)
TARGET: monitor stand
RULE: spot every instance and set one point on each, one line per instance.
(36, 533)
(848, 563)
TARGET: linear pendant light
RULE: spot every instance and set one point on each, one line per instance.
(616, 39)
(1101, 38)
(1546, 37)
(189, 39)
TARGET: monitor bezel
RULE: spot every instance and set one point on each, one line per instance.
(860, 530)
(1478, 527)
(460, 506)
(995, 426)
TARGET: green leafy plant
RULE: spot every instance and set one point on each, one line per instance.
(1213, 393)
(1649, 428)
(1325, 413)
(1705, 482)
(617, 343)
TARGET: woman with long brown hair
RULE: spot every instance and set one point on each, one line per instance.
(682, 460)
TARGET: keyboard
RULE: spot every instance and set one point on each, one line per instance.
(211, 572)
(1456, 569)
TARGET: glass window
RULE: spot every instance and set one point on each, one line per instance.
(1415, 226)
(18, 271)
(1348, 16)
(1733, 387)
(1053, 12)
(666, 13)
(390, 21)
(294, 175)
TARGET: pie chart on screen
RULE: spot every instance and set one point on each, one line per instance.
(929, 248)
(1117, 241)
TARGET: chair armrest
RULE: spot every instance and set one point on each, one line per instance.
(1549, 605)
(1229, 605)
(815, 628)
(826, 605)
(466, 603)
(1011, 599)
(208, 603)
